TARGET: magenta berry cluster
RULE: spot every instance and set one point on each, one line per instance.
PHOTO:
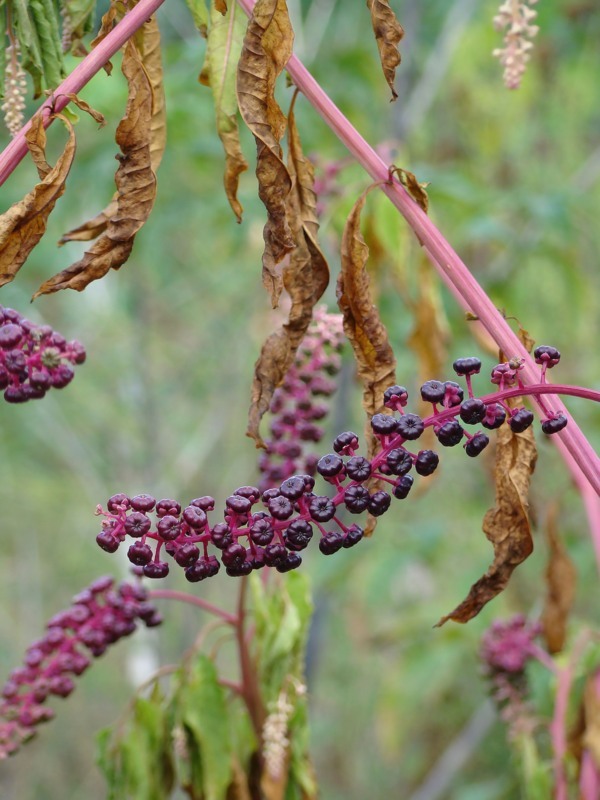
(271, 527)
(33, 358)
(100, 616)
(506, 647)
(300, 404)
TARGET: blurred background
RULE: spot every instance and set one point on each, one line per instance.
(160, 405)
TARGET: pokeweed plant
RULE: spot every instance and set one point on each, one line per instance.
(193, 735)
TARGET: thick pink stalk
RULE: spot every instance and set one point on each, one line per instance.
(82, 74)
(454, 272)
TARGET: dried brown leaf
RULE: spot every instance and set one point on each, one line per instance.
(83, 106)
(136, 186)
(561, 578)
(24, 224)
(221, 6)
(36, 143)
(305, 278)
(388, 33)
(415, 189)
(507, 524)
(109, 20)
(266, 50)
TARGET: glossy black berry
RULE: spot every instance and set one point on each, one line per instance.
(450, 433)
(410, 426)
(262, 532)
(293, 488)
(379, 503)
(331, 542)
(494, 416)
(521, 420)
(554, 424)
(384, 424)
(139, 554)
(547, 355)
(433, 391)
(427, 462)
(358, 468)
(330, 465)
(168, 528)
(402, 487)
(321, 509)
(476, 444)
(346, 443)
(453, 394)
(280, 507)
(473, 411)
(399, 461)
(356, 499)
(395, 397)
(156, 569)
(353, 536)
(137, 524)
(467, 366)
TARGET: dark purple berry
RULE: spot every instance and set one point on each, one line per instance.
(330, 465)
(356, 499)
(203, 568)
(168, 508)
(168, 528)
(473, 411)
(15, 394)
(61, 685)
(143, 502)
(280, 508)
(384, 424)
(61, 376)
(195, 517)
(187, 554)
(399, 461)
(521, 420)
(39, 379)
(101, 585)
(293, 488)
(453, 395)
(395, 397)
(234, 555)
(379, 503)
(118, 502)
(467, 366)
(321, 509)
(292, 561)
(547, 355)
(358, 468)
(433, 391)
(410, 426)
(239, 570)
(206, 503)
(353, 536)
(427, 462)
(137, 524)
(308, 432)
(238, 504)
(275, 554)
(262, 532)
(346, 443)
(450, 433)
(107, 541)
(476, 444)
(298, 535)
(309, 482)
(331, 542)
(402, 487)
(139, 554)
(156, 569)
(554, 424)
(4, 378)
(494, 416)
(221, 535)
(251, 492)
(10, 336)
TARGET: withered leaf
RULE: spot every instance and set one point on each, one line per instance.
(83, 106)
(107, 23)
(388, 33)
(221, 6)
(266, 50)
(148, 43)
(136, 186)
(305, 278)
(507, 524)
(36, 142)
(430, 333)
(219, 72)
(24, 224)
(561, 577)
(415, 189)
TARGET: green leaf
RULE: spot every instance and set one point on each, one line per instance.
(200, 15)
(45, 20)
(30, 45)
(80, 14)
(201, 708)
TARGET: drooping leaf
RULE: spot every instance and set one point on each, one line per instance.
(506, 525)
(305, 278)
(415, 189)
(561, 578)
(24, 224)
(79, 18)
(199, 14)
(45, 19)
(223, 51)
(221, 6)
(266, 50)
(136, 186)
(26, 33)
(81, 104)
(388, 33)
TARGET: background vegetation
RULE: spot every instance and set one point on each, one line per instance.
(161, 404)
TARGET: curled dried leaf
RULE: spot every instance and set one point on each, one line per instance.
(388, 33)
(266, 50)
(305, 278)
(136, 186)
(415, 189)
(83, 106)
(24, 224)
(561, 578)
(506, 525)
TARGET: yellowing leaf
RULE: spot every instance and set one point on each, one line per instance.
(388, 33)
(266, 50)
(305, 278)
(223, 51)
(24, 224)
(507, 524)
(136, 186)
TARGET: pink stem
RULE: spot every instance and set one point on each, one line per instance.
(183, 597)
(452, 269)
(82, 74)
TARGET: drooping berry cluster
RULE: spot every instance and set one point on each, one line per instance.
(298, 405)
(100, 616)
(270, 528)
(33, 358)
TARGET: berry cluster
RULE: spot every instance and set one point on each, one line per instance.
(33, 358)
(100, 616)
(298, 407)
(270, 527)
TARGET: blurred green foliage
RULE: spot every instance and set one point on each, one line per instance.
(160, 405)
